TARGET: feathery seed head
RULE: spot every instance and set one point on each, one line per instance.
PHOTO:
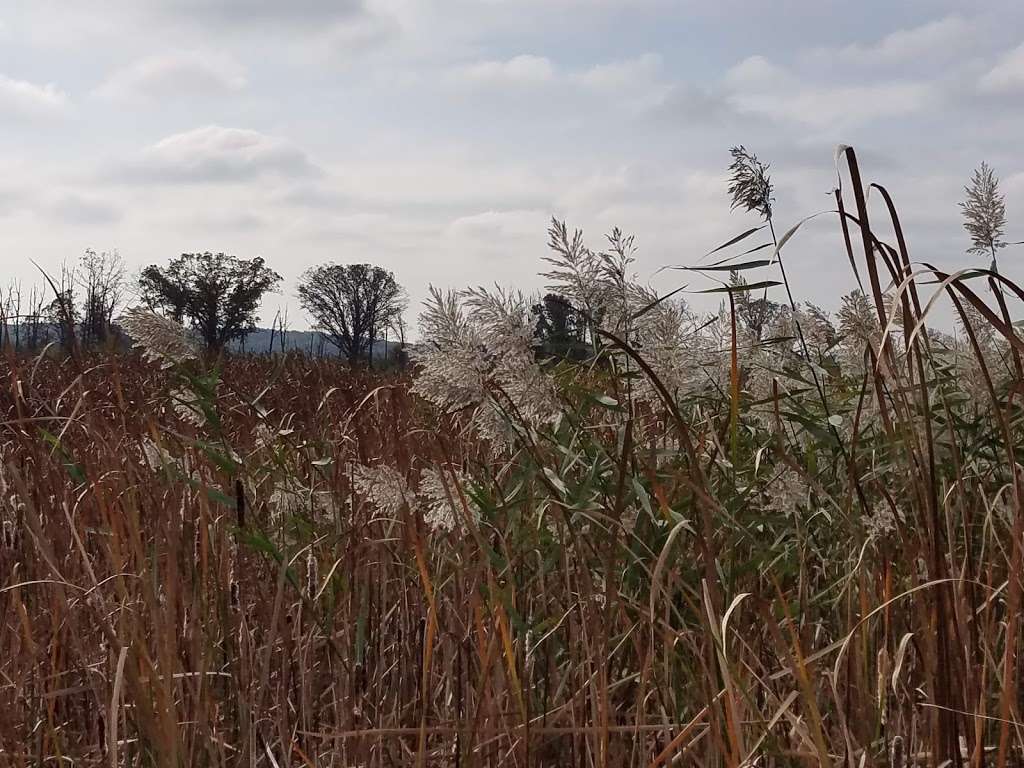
(749, 183)
(161, 339)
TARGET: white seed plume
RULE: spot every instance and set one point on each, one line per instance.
(161, 339)
(292, 497)
(478, 357)
(384, 487)
(187, 406)
(786, 494)
(881, 522)
(442, 505)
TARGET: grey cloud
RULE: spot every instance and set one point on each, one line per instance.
(241, 13)
(76, 209)
(174, 74)
(692, 105)
(217, 154)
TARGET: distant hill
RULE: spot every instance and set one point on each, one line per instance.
(309, 342)
(256, 343)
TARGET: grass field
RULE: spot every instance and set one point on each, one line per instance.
(714, 542)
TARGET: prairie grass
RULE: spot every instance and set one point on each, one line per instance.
(707, 544)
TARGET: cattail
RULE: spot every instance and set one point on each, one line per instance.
(161, 339)
(101, 729)
(240, 502)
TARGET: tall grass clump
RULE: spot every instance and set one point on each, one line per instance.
(771, 535)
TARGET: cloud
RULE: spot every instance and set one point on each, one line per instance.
(421, 184)
(522, 70)
(756, 85)
(496, 227)
(617, 75)
(693, 105)
(22, 99)
(941, 37)
(833, 107)
(243, 13)
(181, 73)
(756, 71)
(1007, 76)
(638, 76)
(217, 154)
(75, 209)
(350, 37)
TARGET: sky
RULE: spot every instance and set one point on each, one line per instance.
(437, 138)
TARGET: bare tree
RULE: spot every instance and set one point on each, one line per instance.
(36, 334)
(62, 311)
(14, 294)
(399, 326)
(10, 301)
(282, 331)
(279, 330)
(101, 277)
(350, 303)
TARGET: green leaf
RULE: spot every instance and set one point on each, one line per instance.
(739, 267)
(70, 466)
(643, 311)
(733, 241)
(556, 481)
(742, 288)
(219, 457)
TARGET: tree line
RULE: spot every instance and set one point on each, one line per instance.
(215, 295)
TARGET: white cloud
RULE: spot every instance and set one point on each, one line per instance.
(522, 70)
(441, 182)
(757, 85)
(496, 227)
(1007, 75)
(20, 98)
(616, 75)
(941, 37)
(825, 107)
(756, 71)
(217, 154)
(181, 73)
(496, 246)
